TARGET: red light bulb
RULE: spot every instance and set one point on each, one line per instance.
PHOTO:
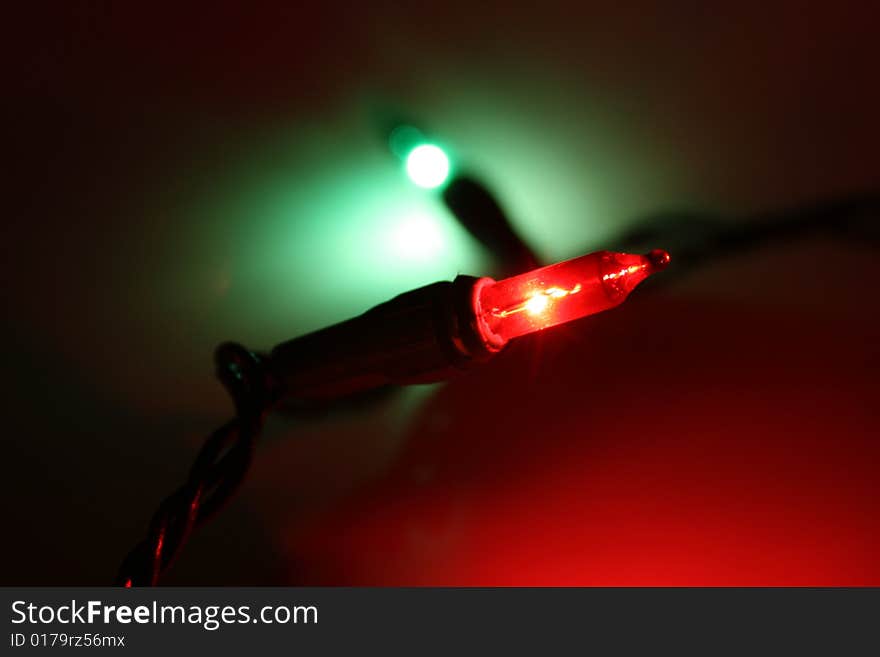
(560, 293)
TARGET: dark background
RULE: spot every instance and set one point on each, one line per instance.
(181, 176)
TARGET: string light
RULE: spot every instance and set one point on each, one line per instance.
(421, 336)
(429, 333)
(560, 293)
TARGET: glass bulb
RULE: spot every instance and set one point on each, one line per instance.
(560, 293)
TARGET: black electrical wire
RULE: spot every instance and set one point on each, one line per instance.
(217, 472)
(696, 239)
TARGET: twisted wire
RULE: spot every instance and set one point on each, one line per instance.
(216, 473)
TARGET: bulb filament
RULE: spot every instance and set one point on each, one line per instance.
(538, 302)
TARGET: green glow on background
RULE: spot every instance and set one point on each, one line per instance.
(571, 169)
(419, 236)
(427, 166)
(309, 228)
(265, 232)
(403, 139)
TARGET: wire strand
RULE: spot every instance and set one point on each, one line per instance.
(216, 474)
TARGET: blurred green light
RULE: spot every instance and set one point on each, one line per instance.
(418, 237)
(427, 166)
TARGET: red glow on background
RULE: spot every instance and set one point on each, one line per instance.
(562, 292)
(592, 471)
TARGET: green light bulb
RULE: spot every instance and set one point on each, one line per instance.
(427, 166)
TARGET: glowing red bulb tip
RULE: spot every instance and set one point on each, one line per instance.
(659, 259)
